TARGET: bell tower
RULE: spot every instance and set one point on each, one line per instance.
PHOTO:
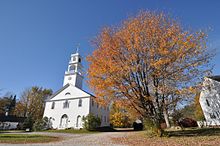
(74, 75)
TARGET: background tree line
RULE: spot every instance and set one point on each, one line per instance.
(30, 105)
(7, 104)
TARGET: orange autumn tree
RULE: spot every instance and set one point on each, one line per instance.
(151, 61)
(121, 116)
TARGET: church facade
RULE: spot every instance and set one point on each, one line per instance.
(210, 100)
(67, 107)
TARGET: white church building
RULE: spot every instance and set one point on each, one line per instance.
(67, 107)
(210, 100)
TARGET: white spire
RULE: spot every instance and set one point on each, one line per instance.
(74, 74)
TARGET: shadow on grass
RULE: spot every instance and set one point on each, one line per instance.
(99, 129)
(73, 131)
(110, 129)
(195, 132)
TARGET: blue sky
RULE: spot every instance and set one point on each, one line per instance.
(38, 36)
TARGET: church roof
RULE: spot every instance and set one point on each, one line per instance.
(216, 78)
(11, 118)
(63, 88)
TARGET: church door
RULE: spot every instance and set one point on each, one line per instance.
(64, 121)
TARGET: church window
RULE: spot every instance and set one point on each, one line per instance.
(66, 104)
(68, 93)
(207, 102)
(80, 103)
(79, 59)
(53, 105)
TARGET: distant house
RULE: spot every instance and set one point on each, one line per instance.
(8, 122)
(67, 107)
(210, 100)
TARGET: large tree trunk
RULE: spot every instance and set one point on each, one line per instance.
(166, 117)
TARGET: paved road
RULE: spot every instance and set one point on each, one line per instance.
(97, 139)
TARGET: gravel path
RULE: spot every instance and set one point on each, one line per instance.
(97, 139)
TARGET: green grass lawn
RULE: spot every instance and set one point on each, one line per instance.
(11, 131)
(72, 131)
(26, 138)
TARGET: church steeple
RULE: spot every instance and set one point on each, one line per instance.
(74, 74)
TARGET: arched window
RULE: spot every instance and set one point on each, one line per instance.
(79, 59)
(80, 103)
(68, 93)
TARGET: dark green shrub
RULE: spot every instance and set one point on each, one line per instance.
(28, 123)
(90, 122)
(41, 124)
